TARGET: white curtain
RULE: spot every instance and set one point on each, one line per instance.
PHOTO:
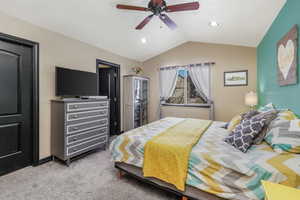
(200, 75)
(168, 78)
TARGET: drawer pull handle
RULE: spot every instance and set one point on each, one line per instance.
(74, 139)
(75, 106)
(75, 116)
(75, 128)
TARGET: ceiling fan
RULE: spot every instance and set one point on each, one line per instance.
(158, 8)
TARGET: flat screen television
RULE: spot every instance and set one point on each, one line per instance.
(75, 83)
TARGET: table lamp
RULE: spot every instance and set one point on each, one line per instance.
(251, 99)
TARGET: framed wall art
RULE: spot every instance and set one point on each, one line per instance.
(287, 59)
(236, 78)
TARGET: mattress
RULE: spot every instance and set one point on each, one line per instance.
(214, 166)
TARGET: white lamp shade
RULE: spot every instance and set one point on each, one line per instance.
(251, 99)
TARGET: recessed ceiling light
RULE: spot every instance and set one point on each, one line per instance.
(214, 24)
(144, 40)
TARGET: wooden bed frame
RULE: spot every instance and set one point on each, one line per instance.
(191, 193)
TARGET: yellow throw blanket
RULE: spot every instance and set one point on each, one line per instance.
(166, 155)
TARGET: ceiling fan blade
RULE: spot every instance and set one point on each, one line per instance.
(127, 7)
(144, 22)
(183, 7)
(168, 21)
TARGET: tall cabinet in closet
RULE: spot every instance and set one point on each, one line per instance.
(136, 99)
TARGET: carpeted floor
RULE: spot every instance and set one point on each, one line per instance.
(90, 178)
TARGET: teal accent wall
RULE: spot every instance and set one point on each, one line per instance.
(267, 85)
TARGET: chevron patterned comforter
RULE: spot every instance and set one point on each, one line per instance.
(215, 166)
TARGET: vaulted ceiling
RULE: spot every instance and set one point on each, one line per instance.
(99, 23)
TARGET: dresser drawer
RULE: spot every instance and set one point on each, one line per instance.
(85, 120)
(85, 146)
(75, 128)
(73, 107)
(73, 139)
(86, 114)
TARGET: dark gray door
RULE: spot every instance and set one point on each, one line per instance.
(16, 85)
(108, 86)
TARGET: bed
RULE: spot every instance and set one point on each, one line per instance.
(216, 170)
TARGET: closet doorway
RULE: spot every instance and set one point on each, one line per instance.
(109, 85)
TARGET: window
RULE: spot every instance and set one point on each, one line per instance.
(185, 92)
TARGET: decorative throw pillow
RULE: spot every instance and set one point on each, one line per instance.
(236, 120)
(266, 108)
(283, 140)
(249, 114)
(243, 135)
(286, 115)
(295, 125)
(269, 116)
(277, 123)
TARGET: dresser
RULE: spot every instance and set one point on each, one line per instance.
(78, 126)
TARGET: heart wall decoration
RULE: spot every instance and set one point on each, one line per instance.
(287, 58)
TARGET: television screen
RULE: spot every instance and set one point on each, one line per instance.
(75, 83)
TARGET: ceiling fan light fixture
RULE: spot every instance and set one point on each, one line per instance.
(214, 24)
(144, 40)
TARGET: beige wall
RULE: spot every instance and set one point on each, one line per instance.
(56, 49)
(228, 100)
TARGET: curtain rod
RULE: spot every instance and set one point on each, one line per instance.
(190, 65)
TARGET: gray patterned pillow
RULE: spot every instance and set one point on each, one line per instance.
(243, 135)
(269, 116)
(246, 115)
(249, 114)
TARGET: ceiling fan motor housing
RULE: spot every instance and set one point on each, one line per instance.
(157, 9)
